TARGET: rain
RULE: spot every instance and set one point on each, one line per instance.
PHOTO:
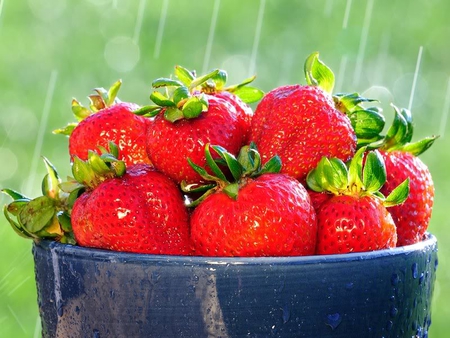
(52, 51)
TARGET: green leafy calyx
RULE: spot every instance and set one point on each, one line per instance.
(183, 97)
(100, 99)
(364, 175)
(98, 167)
(43, 217)
(247, 165)
(400, 133)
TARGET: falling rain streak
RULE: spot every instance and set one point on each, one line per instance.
(262, 6)
(347, 14)
(161, 25)
(446, 111)
(212, 29)
(17, 319)
(363, 42)
(42, 130)
(416, 73)
(139, 19)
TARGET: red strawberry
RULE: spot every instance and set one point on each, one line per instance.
(260, 213)
(412, 217)
(139, 210)
(355, 218)
(184, 124)
(239, 95)
(301, 124)
(109, 120)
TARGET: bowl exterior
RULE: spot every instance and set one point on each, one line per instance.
(93, 293)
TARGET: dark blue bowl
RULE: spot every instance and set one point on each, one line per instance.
(94, 293)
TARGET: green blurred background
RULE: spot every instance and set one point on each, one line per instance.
(53, 50)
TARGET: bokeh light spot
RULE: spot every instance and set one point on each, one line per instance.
(122, 54)
(47, 10)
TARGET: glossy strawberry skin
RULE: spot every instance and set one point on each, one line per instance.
(169, 145)
(141, 212)
(301, 125)
(272, 216)
(354, 224)
(116, 123)
(243, 110)
(413, 216)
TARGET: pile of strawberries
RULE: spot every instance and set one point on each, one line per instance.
(197, 172)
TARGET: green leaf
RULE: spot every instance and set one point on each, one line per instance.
(419, 147)
(112, 93)
(312, 181)
(213, 165)
(37, 214)
(331, 175)
(220, 80)
(199, 81)
(396, 132)
(96, 163)
(355, 168)
(231, 161)
(67, 130)
(242, 84)
(51, 181)
(15, 195)
(374, 172)
(161, 100)
(249, 159)
(15, 207)
(201, 198)
(367, 123)
(173, 114)
(165, 82)
(180, 94)
(150, 110)
(231, 190)
(249, 94)
(406, 114)
(16, 226)
(196, 187)
(193, 107)
(79, 110)
(74, 194)
(82, 172)
(271, 166)
(184, 75)
(348, 103)
(398, 195)
(202, 171)
(64, 221)
(318, 74)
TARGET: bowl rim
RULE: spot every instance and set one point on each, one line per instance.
(429, 243)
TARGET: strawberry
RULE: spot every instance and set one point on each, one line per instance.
(239, 95)
(259, 213)
(108, 120)
(401, 157)
(184, 122)
(301, 124)
(355, 218)
(133, 209)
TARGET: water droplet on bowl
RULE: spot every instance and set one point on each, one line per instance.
(333, 320)
(414, 270)
(395, 279)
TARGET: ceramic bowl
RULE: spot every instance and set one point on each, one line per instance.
(86, 292)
